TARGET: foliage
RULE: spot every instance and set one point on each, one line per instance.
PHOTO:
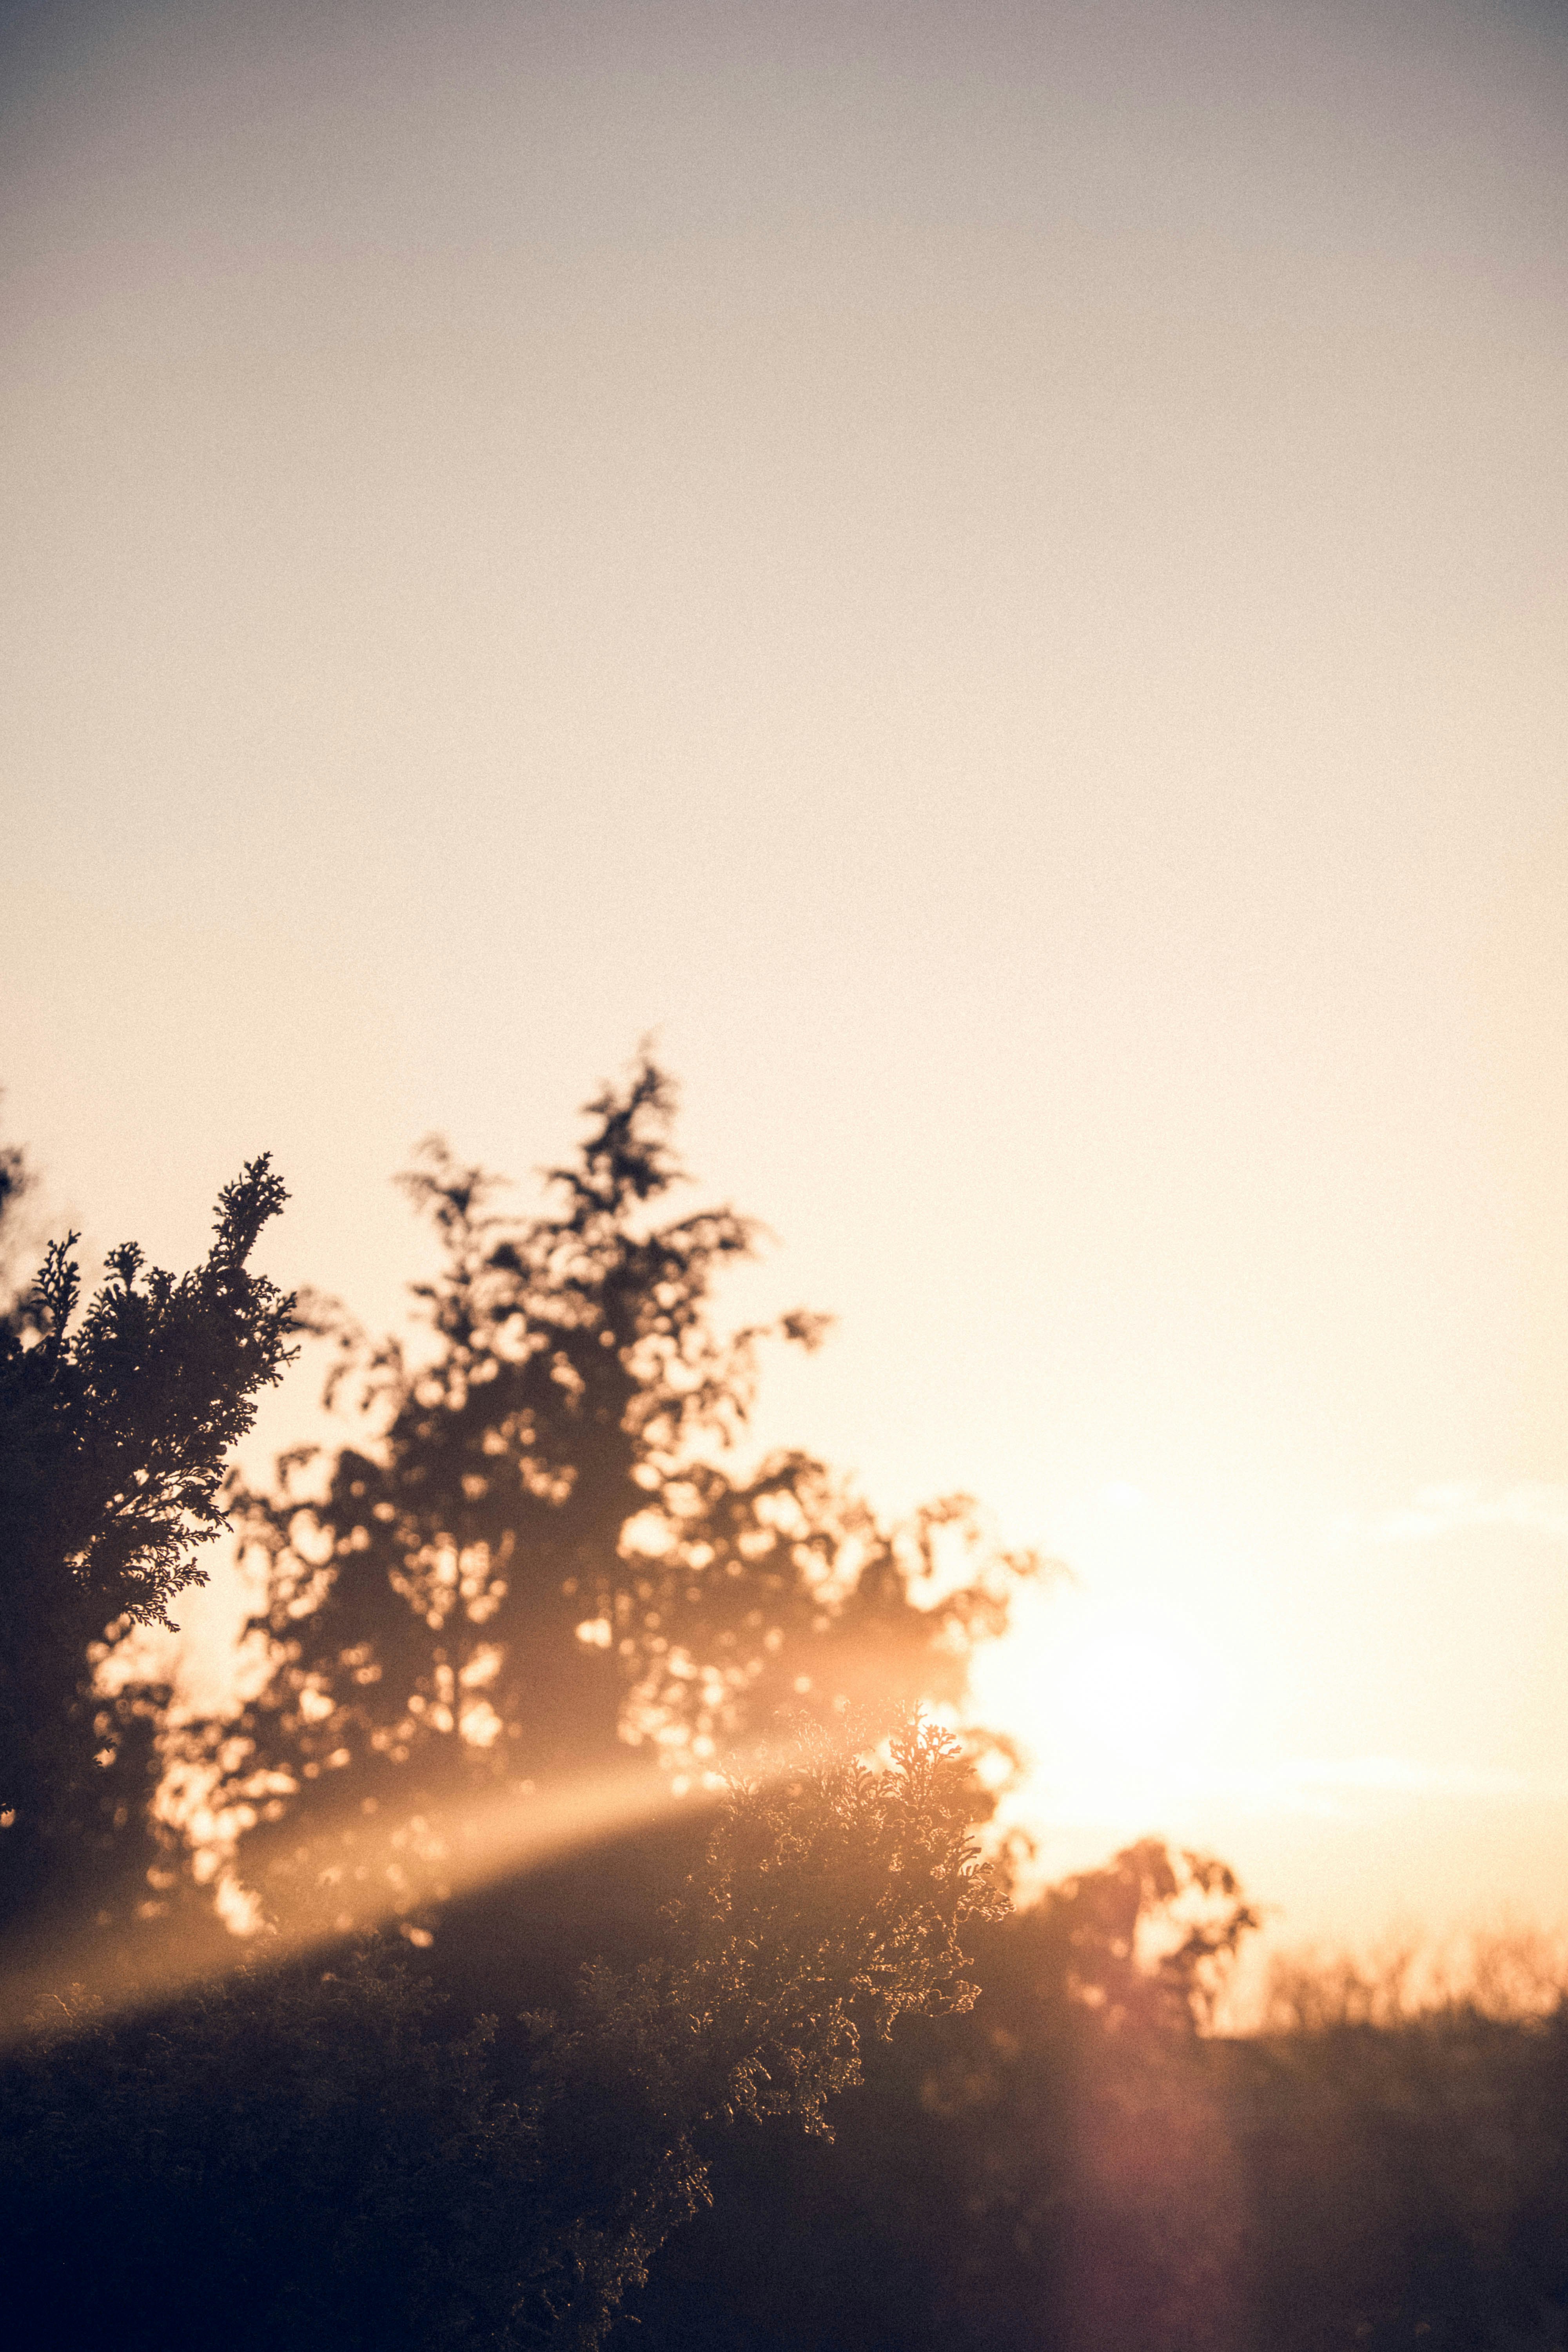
(289, 2157)
(1409, 2176)
(543, 1553)
(1056, 2173)
(1149, 1938)
(304, 2157)
(1049, 2172)
(307, 2153)
(115, 1430)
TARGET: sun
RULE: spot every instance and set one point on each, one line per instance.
(1118, 1707)
(1127, 1692)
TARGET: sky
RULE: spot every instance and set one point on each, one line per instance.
(991, 577)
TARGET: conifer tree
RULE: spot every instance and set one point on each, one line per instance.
(544, 1555)
(116, 1428)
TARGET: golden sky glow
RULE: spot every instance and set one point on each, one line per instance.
(995, 574)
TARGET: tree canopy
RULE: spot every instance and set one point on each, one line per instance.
(116, 1429)
(544, 1552)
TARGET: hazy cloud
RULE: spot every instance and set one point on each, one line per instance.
(1435, 1511)
(1340, 1789)
(1402, 1775)
(1340, 1786)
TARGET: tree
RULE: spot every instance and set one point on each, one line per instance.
(541, 1555)
(115, 1432)
(1051, 2170)
(305, 2156)
(312, 2140)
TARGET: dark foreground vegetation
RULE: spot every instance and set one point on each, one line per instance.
(769, 2068)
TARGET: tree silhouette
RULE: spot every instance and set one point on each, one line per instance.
(541, 1557)
(115, 1432)
(1052, 2170)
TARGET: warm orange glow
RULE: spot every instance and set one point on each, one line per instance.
(508, 1833)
